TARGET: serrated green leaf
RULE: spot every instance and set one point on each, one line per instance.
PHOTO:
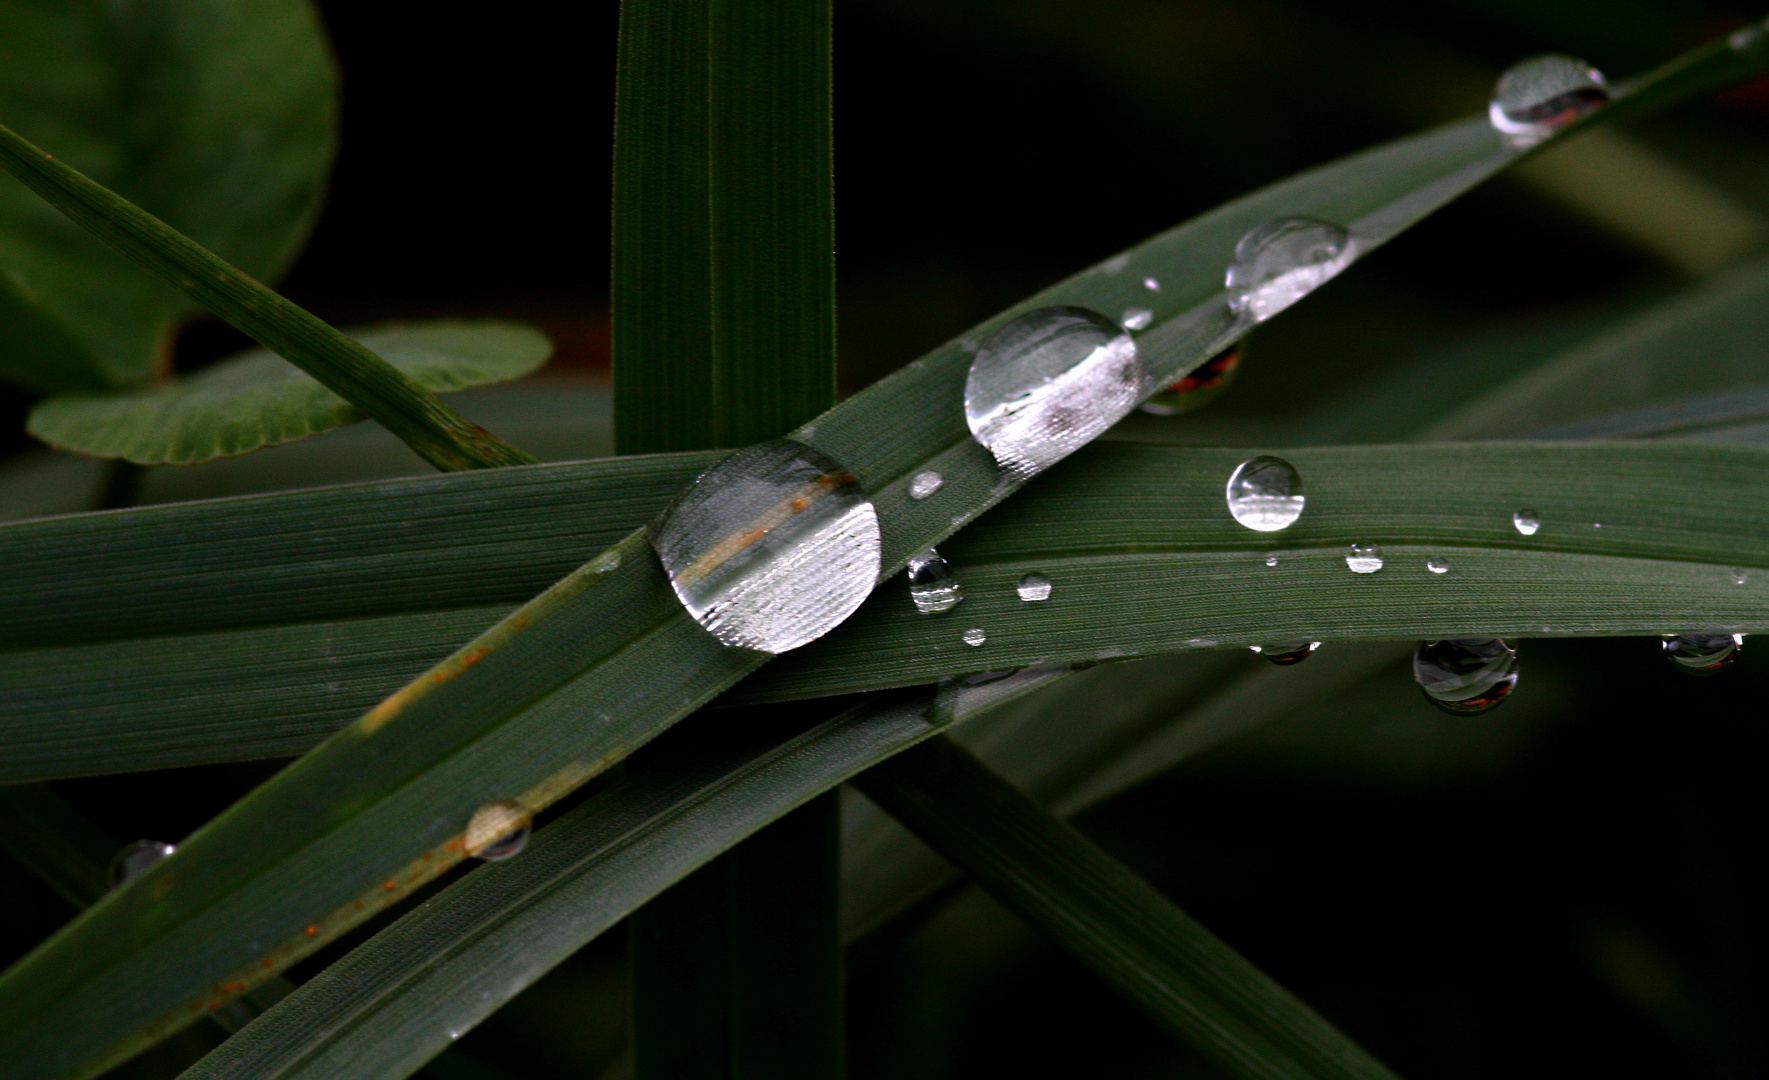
(220, 116)
(351, 826)
(258, 399)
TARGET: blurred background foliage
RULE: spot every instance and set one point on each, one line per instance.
(1562, 886)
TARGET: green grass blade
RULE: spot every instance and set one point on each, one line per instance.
(1179, 973)
(55, 842)
(506, 716)
(388, 1006)
(383, 393)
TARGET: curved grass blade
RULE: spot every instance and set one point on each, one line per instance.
(1097, 909)
(436, 432)
(1137, 542)
(348, 829)
(255, 399)
(399, 999)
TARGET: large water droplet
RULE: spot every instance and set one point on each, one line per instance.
(931, 584)
(1136, 318)
(1202, 385)
(771, 548)
(1364, 558)
(925, 483)
(1283, 261)
(498, 831)
(129, 862)
(1437, 564)
(1287, 653)
(1047, 383)
(1526, 521)
(1543, 94)
(1702, 654)
(975, 636)
(1265, 494)
(1034, 587)
(1465, 676)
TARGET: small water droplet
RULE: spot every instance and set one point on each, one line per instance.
(1283, 261)
(1739, 575)
(771, 548)
(1151, 284)
(975, 636)
(498, 831)
(1597, 525)
(1364, 558)
(1748, 37)
(1034, 587)
(1047, 383)
(132, 859)
(1136, 318)
(1526, 521)
(1202, 385)
(1437, 564)
(1271, 560)
(1702, 654)
(1265, 494)
(1290, 652)
(1465, 676)
(453, 1033)
(925, 483)
(1543, 94)
(1115, 264)
(931, 584)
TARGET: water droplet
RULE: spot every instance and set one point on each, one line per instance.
(1739, 575)
(1271, 560)
(1283, 261)
(1265, 494)
(771, 548)
(498, 831)
(1465, 676)
(1526, 521)
(1543, 94)
(1047, 383)
(1364, 558)
(931, 584)
(925, 483)
(1151, 284)
(1702, 654)
(1437, 564)
(129, 862)
(1136, 318)
(1034, 587)
(1746, 38)
(1290, 652)
(1115, 264)
(975, 636)
(1202, 385)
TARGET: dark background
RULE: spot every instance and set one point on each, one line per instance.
(1585, 903)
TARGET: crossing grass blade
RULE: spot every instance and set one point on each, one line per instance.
(380, 808)
(1179, 973)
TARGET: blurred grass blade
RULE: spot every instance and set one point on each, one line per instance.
(607, 659)
(436, 432)
(1179, 973)
(256, 399)
(391, 1004)
(221, 118)
(1141, 551)
(55, 842)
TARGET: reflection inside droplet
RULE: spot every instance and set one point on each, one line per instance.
(1364, 558)
(931, 584)
(1049, 382)
(1202, 385)
(1702, 654)
(129, 862)
(1151, 284)
(1265, 494)
(1465, 676)
(1287, 653)
(771, 548)
(1526, 522)
(1136, 318)
(1283, 261)
(1034, 587)
(1543, 94)
(498, 831)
